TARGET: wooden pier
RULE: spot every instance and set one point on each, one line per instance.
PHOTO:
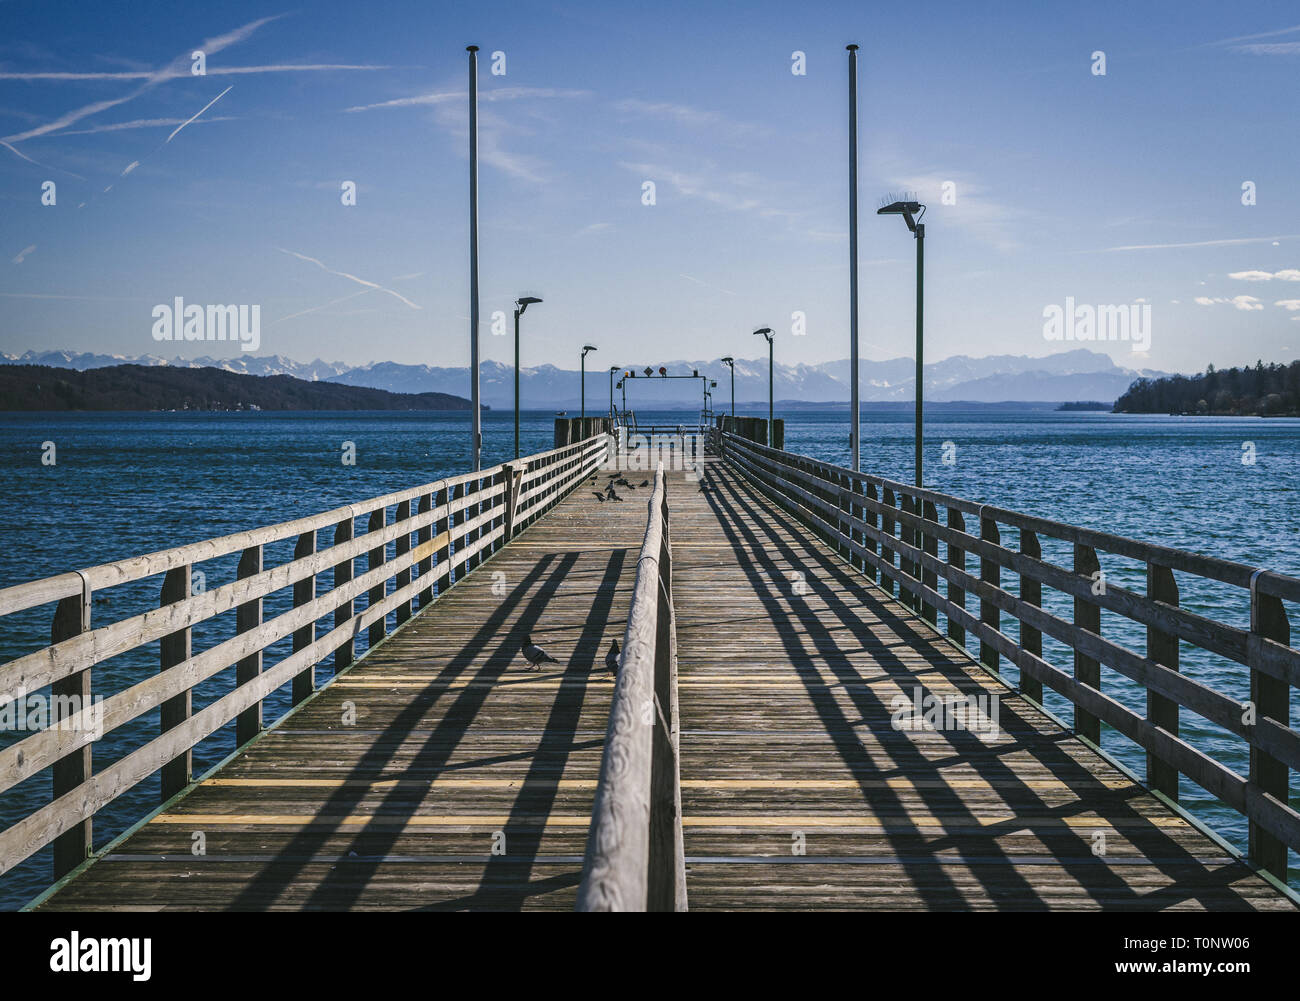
(777, 615)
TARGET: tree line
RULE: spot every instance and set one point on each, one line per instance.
(1264, 390)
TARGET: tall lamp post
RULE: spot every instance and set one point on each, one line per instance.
(583, 360)
(731, 364)
(912, 213)
(612, 370)
(767, 332)
(473, 253)
(520, 306)
(854, 425)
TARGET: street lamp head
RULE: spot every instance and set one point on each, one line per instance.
(526, 301)
(586, 348)
(614, 368)
(911, 211)
(729, 360)
(766, 332)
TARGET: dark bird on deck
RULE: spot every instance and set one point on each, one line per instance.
(611, 658)
(599, 497)
(614, 496)
(645, 483)
(535, 655)
(622, 481)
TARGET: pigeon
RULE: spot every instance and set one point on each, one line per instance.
(645, 483)
(614, 496)
(622, 481)
(535, 655)
(599, 497)
(611, 658)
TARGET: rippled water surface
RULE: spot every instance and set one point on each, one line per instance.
(126, 484)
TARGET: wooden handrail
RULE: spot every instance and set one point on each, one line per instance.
(635, 858)
(456, 523)
(869, 518)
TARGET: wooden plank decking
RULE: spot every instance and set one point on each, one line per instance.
(785, 702)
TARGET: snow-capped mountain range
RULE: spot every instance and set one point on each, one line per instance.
(1068, 375)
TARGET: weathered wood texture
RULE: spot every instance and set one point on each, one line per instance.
(634, 849)
(394, 784)
(789, 664)
(810, 489)
(471, 512)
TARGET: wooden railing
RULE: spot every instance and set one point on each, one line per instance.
(436, 533)
(891, 532)
(635, 859)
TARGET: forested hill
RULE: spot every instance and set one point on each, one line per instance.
(1265, 390)
(144, 387)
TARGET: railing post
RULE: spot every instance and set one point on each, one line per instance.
(248, 616)
(859, 512)
(1270, 697)
(375, 560)
(445, 526)
(930, 545)
(403, 547)
(886, 550)
(1087, 615)
(908, 534)
(469, 512)
(957, 560)
(873, 519)
(1163, 649)
(842, 481)
(343, 611)
(423, 536)
(990, 573)
(304, 593)
(508, 471)
(73, 846)
(173, 649)
(1031, 593)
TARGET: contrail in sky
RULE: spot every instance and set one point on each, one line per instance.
(201, 110)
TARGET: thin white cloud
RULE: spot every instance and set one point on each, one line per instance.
(716, 288)
(973, 209)
(1246, 303)
(595, 227)
(1290, 305)
(1201, 243)
(1270, 49)
(324, 305)
(354, 278)
(484, 96)
(138, 123)
(178, 67)
(212, 71)
(1251, 38)
(1285, 275)
(24, 253)
(691, 117)
(24, 156)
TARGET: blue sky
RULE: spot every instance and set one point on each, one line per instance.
(1057, 171)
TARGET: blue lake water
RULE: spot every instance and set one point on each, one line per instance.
(126, 484)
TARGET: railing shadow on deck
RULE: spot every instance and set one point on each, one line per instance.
(871, 522)
(439, 533)
(917, 849)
